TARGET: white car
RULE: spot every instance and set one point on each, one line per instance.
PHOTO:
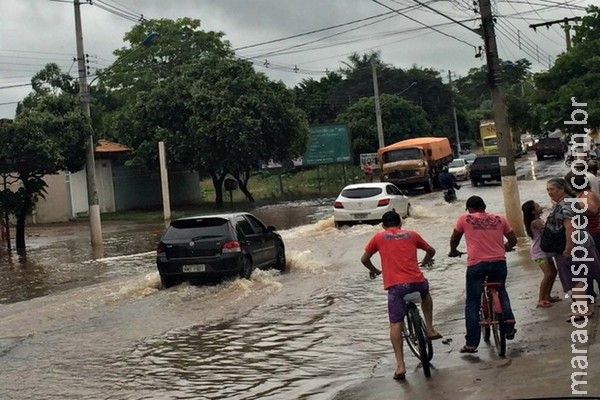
(367, 202)
(459, 168)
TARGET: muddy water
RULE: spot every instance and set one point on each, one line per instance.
(102, 329)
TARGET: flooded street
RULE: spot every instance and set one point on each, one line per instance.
(72, 327)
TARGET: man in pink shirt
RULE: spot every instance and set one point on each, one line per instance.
(397, 249)
(486, 258)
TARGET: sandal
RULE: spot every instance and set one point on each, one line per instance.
(555, 299)
(399, 377)
(579, 317)
(543, 304)
(468, 349)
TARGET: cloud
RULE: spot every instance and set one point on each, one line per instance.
(36, 32)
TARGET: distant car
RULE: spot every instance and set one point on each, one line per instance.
(216, 246)
(459, 168)
(469, 158)
(367, 202)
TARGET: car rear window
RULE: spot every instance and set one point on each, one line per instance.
(197, 228)
(361, 193)
(486, 160)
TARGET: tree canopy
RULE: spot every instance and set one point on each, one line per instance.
(48, 135)
(216, 114)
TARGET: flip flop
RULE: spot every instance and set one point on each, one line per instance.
(555, 299)
(543, 304)
(467, 349)
(399, 377)
(578, 317)
(435, 337)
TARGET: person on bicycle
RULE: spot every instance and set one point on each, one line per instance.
(397, 249)
(486, 258)
(447, 179)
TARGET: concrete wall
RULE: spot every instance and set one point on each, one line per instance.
(136, 188)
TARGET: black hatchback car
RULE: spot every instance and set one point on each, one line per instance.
(211, 246)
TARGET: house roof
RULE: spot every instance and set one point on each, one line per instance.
(104, 146)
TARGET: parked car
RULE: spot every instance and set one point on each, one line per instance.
(469, 158)
(217, 245)
(367, 202)
(485, 169)
(459, 168)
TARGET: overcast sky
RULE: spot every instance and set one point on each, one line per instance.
(36, 32)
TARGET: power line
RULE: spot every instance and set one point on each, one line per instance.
(312, 32)
(424, 24)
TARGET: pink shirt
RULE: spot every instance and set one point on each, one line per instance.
(484, 234)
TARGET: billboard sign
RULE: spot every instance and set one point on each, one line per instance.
(328, 144)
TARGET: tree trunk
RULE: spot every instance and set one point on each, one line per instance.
(20, 231)
(242, 180)
(218, 185)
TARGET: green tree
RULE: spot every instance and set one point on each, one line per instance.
(216, 114)
(47, 136)
(401, 120)
(574, 75)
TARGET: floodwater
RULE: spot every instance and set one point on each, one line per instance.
(72, 327)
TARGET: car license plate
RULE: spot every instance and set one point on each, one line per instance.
(360, 216)
(194, 268)
(486, 176)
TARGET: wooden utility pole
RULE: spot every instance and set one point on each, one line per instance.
(377, 105)
(90, 163)
(458, 149)
(510, 187)
(566, 27)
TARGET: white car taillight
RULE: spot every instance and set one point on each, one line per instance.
(232, 247)
(338, 204)
(383, 202)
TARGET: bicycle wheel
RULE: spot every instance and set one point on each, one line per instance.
(498, 326)
(419, 330)
(484, 317)
(409, 334)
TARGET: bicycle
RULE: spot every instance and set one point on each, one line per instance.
(415, 333)
(491, 318)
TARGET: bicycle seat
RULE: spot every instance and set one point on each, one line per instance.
(414, 297)
(492, 284)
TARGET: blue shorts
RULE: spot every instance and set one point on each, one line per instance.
(396, 302)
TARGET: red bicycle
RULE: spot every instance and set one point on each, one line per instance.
(490, 317)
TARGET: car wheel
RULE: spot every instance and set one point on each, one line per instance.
(474, 182)
(280, 261)
(408, 210)
(338, 225)
(247, 268)
(167, 282)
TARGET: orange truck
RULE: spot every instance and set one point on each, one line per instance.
(414, 162)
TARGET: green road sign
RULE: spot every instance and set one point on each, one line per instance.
(328, 144)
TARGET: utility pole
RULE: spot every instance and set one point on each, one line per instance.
(510, 188)
(90, 164)
(566, 27)
(458, 149)
(377, 105)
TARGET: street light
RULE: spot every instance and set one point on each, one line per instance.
(378, 107)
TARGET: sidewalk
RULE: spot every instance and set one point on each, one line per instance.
(538, 362)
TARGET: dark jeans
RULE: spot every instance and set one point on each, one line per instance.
(495, 271)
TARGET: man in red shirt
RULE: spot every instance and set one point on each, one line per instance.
(401, 275)
(368, 170)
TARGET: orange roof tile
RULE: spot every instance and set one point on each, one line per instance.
(104, 146)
